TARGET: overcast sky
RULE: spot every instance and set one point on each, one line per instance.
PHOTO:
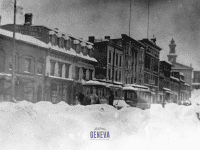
(178, 19)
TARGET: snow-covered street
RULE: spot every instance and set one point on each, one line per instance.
(60, 126)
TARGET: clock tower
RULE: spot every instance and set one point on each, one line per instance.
(172, 52)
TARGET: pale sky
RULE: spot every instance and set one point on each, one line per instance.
(178, 19)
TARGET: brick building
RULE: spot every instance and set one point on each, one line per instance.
(30, 66)
(151, 66)
(69, 60)
(133, 61)
(164, 81)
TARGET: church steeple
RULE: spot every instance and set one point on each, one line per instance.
(172, 51)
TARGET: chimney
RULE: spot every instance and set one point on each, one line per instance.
(107, 37)
(28, 19)
(91, 39)
(153, 39)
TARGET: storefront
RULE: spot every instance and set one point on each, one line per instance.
(57, 90)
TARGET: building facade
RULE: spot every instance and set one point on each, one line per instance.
(69, 61)
(186, 70)
(29, 69)
(164, 81)
(196, 80)
(133, 72)
(151, 66)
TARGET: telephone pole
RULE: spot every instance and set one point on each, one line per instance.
(13, 56)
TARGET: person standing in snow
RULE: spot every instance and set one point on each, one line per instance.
(111, 98)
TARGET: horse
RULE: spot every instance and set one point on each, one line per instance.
(87, 99)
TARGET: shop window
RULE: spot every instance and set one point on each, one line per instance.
(53, 65)
(27, 65)
(40, 67)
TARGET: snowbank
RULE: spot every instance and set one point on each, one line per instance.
(47, 126)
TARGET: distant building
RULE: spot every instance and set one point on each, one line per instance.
(134, 58)
(186, 70)
(164, 81)
(196, 80)
(151, 66)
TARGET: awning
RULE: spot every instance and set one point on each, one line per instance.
(166, 89)
(92, 82)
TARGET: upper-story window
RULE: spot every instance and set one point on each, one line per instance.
(116, 61)
(54, 39)
(109, 57)
(62, 42)
(58, 41)
(10, 62)
(120, 60)
(52, 66)
(67, 70)
(40, 67)
(60, 65)
(27, 65)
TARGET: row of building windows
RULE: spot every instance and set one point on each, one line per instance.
(27, 65)
(117, 75)
(60, 69)
(67, 44)
(150, 79)
(118, 58)
(151, 63)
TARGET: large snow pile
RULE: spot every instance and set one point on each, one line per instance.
(195, 98)
(47, 126)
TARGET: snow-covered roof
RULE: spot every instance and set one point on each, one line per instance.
(34, 41)
(187, 84)
(166, 89)
(71, 51)
(24, 38)
(92, 82)
(174, 78)
(136, 86)
(195, 83)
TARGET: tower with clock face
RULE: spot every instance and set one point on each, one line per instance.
(172, 52)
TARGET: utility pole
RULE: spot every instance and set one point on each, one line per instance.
(13, 56)
(148, 20)
(130, 19)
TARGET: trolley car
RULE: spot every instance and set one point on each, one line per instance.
(134, 96)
